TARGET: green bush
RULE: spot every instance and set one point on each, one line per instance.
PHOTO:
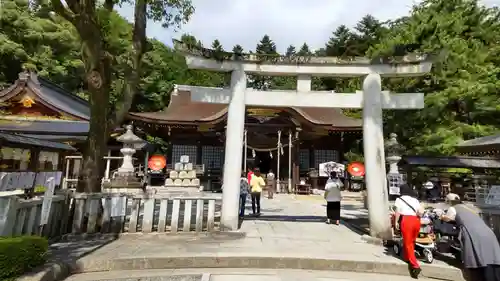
(21, 254)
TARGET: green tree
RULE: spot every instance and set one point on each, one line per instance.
(31, 40)
(290, 51)
(461, 99)
(191, 40)
(369, 31)
(304, 50)
(93, 23)
(238, 49)
(266, 48)
(216, 45)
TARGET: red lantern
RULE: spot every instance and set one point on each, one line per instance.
(157, 162)
(356, 169)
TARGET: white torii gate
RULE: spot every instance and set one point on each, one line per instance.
(372, 99)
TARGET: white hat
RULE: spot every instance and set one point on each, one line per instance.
(452, 197)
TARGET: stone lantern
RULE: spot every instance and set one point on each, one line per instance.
(131, 143)
(393, 150)
(125, 178)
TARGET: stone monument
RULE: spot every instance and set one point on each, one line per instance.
(125, 179)
(183, 175)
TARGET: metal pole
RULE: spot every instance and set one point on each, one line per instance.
(290, 161)
(278, 187)
(245, 151)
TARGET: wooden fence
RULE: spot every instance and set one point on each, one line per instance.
(24, 216)
(79, 213)
(145, 213)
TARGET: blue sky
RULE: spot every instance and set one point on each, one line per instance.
(287, 22)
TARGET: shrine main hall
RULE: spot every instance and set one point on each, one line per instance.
(295, 138)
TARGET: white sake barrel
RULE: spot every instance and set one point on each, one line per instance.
(169, 182)
(188, 166)
(178, 182)
(173, 174)
(183, 175)
(178, 166)
(195, 182)
(191, 174)
(184, 159)
(186, 182)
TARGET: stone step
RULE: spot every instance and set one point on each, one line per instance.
(231, 274)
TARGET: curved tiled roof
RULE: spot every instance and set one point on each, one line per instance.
(181, 110)
(49, 94)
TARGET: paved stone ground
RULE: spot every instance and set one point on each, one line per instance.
(230, 274)
(291, 233)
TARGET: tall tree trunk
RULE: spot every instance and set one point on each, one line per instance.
(98, 71)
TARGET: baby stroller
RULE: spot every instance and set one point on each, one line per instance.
(446, 236)
(424, 245)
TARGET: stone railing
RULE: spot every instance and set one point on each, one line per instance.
(144, 213)
(25, 216)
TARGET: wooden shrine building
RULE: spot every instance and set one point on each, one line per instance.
(36, 111)
(197, 129)
(35, 107)
(483, 146)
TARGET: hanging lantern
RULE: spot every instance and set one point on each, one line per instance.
(157, 162)
(356, 169)
(270, 154)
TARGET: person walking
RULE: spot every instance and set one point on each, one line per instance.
(407, 219)
(244, 187)
(333, 197)
(270, 183)
(480, 247)
(257, 183)
(249, 174)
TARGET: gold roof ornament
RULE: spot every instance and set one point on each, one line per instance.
(27, 101)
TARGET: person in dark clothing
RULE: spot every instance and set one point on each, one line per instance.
(479, 244)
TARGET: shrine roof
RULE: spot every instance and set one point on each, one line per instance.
(452, 162)
(49, 94)
(45, 127)
(181, 110)
(482, 144)
(19, 139)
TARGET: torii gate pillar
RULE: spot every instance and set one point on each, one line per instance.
(234, 151)
(373, 146)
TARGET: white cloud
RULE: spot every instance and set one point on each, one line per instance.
(287, 22)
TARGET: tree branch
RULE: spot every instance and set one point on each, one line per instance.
(139, 42)
(109, 5)
(73, 5)
(63, 11)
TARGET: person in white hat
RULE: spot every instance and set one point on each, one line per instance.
(480, 248)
